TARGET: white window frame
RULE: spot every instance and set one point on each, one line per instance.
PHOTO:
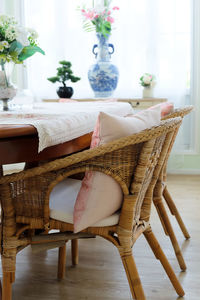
(195, 72)
(195, 68)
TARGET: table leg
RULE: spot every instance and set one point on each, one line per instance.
(1, 170)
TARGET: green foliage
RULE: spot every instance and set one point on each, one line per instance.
(103, 27)
(99, 25)
(53, 79)
(65, 63)
(64, 73)
(29, 51)
(15, 47)
(16, 43)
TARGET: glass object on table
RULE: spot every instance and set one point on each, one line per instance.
(24, 100)
(7, 89)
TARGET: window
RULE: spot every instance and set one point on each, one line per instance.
(149, 36)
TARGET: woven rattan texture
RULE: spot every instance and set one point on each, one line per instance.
(134, 162)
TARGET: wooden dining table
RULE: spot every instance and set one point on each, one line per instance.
(64, 129)
(19, 143)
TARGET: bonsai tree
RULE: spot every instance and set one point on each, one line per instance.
(64, 73)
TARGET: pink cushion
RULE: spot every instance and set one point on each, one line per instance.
(166, 108)
(100, 195)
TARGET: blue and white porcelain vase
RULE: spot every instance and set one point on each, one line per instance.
(103, 75)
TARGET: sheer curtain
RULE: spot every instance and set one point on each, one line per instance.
(149, 36)
(61, 36)
(2, 6)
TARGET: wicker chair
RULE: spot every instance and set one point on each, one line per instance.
(134, 162)
(181, 112)
(161, 192)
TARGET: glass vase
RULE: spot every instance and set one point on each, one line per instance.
(7, 89)
(103, 75)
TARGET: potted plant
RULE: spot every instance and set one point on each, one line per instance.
(64, 73)
(148, 82)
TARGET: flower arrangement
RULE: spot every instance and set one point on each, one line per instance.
(99, 18)
(16, 43)
(147, 80)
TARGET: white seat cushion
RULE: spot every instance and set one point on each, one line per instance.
(62, 200)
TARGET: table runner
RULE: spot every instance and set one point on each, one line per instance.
(57, 123)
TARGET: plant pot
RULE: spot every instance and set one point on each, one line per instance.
(65, 91)
(148, 92)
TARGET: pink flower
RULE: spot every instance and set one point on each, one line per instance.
(110, 19)
(89, 15)
(115, 8)
(96, 16)
(109, 12)
(83, 10)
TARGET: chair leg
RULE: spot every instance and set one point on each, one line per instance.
(151, 239)
(8, 270)
(174, 211)
(7, 286)
(74, 252)
(61, 262)
(132, 275)
(168, 227)
(161, 219)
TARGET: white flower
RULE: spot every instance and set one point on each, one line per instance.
(22, 36)
(5, 44)
(33, 33)
(7, 20)
(1, 48)
(147, 79)
(10, 33)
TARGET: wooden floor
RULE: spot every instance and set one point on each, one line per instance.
(100, 274)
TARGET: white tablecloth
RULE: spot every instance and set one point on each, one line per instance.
(57, 123)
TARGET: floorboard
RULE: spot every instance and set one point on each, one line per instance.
(100, 274)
